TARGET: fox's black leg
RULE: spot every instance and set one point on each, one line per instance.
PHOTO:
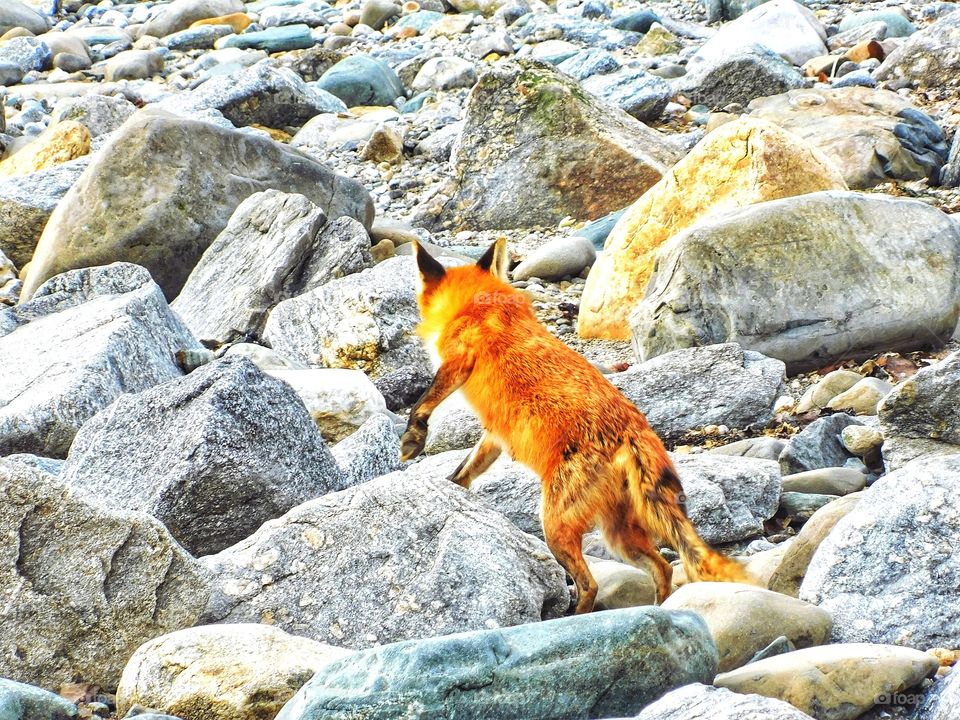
(449, 378)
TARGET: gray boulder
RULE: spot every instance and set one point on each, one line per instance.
(26, 203)
(705, 702)
(26, 53)
(921, 416)
(101, 114)
(880, 293)
(180, 14)
(928, 58)
(275, 247)
(26, 702)
(371, 451)
(84, 586)
(364, 321)
(818, 445)
(15, 14)
(751, 72)
(943, 700)
(557, 669)
(264, 94)
(887, 572)
(87, 337)
(713, 385)
(212, 455)
(596, 160)
(195, 175)
(950, 173)
(391, 559)
(633, 90)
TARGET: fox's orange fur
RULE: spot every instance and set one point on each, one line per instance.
(600, 462)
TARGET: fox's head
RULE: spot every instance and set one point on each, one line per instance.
(444, 293)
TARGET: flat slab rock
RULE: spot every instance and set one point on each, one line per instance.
(541, 671)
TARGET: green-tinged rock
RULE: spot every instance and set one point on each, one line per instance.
(275, 39)
(897, 22)
(26, 702)
(604, 664)
(420, 21)
(362, 80)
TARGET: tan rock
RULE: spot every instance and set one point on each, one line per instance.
(221, 672)
(238, 21)
(744, 619)
(860, 439)
(63, 142)
(15, 32)
(862, 398)
(827, 388)
(659, 41)
(621, 585)
(740, 163)
(788, 575)
(384, 145)
(833, 682)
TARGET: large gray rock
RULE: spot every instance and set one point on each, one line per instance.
(728, 498)
(26, 702)
(373, 450)
(544, 671)
(871, 136)
(163, 187)
(276, 246)
(221, 672)
(180, 14)
(264, 94)
(26, 203)
(83, 586)
(530, 126)
(714, 385)
(921, 415)
(750, 72)
(101, 114)
(818, 445)
(388, 560)
(705, 702)
(943, 700)
(929, 58)
(732, 279)
(26, 53)
(364, 321)
(14, 13)
(950, 173)
(887, 572)
(634, 90)
(86, 338)
(212, 455)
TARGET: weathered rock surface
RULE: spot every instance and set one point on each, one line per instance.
(19, 701)
(275, 246)
(87, 337)
(872, 136)
(373, 450)
(757, 160)
(744, 619)
(713, 385)
(818, 445)
(887, 571)
(60, 143)
(100, 114)
(513, 137)
(833, 682)
(212, 455)
(83, 586)
(363, 321)
(775, 298)
(544, 670)
(15, 14)
(929, 58)
(705, 702)
(221, 672)
(421, 558)
(920, 416)
(156, 156)
(180, 14)
(943, 701)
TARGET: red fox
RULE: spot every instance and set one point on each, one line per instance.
(600, 462)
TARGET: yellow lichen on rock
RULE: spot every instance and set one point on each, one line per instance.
(740, 163)
(60, 143)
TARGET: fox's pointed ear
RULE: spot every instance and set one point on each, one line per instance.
(495, 259)
(431, 271)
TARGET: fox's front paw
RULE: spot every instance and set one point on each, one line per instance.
(412, 443)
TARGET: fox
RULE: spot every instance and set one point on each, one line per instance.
(600, 462)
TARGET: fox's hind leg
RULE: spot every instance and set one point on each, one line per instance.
(629, 539)
(480, 458)
(566, 543)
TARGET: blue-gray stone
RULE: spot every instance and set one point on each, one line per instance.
(198, 38)
(595, 9)
(362, 80)
(586, 63)
(26, 702)
(420, 21)
(573, 29)
(861, 78)
(597, 231)
(817, 446)
(718, 10)
(640, 21)
(104, 35)
(415, 103)
(261, 5)
(275, 39)
(950, 174)
(897, 24)
(27, 53)
(10, 73)
(601, 665)
(633, 90)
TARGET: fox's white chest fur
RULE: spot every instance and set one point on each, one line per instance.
(431, 344)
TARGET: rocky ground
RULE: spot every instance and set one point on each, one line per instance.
(741, 212)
